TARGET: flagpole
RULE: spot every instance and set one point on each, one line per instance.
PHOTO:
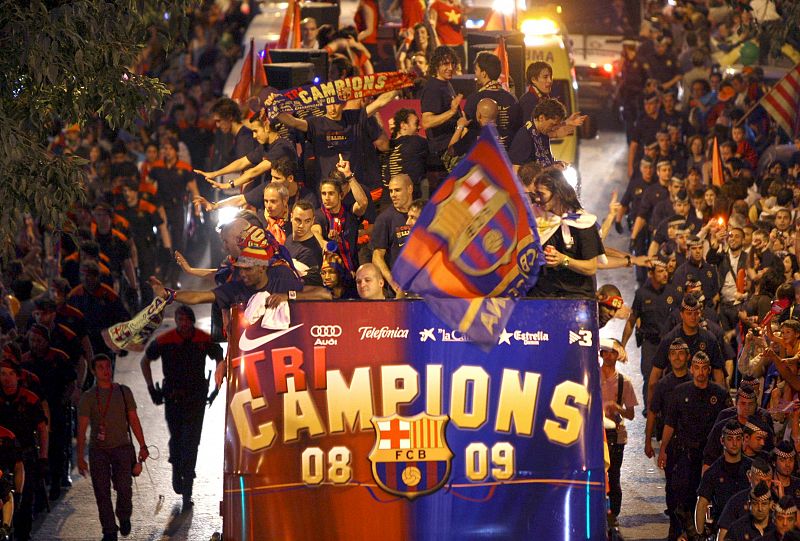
(752, 108)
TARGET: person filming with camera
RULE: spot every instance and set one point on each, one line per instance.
(110, 410)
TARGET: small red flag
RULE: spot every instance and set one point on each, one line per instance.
(241, 92)
(501, 53)
(717, 176)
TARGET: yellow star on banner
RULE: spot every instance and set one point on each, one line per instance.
(453, 17)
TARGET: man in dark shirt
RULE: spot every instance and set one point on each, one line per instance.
(756, 524)
(183, 353)
(687, 423)
(697, 269)
(644, 132)
(337, 223)
(696, 337)
(390, 232)
(726, 476)
(114, 244)
(302, 244)
(539, 76)
(739, 504)
(652, 305)
(532, 140)
(678, 358)
(408, 153)
(509, 114)
(439, 103)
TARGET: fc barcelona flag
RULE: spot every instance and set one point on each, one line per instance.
(474, 248)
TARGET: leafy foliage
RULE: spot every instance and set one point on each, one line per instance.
(70, 61)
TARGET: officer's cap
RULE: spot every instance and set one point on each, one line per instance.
(690, 303)
(646, 161)
(694, 240)
(676, 220)
(785, 506)
(677, 180)
(662, 133)
(760, 467)
(630, 42)
(651, 146)
(760, 492)
(732, 428)
(651, 96)
(700, 359)
(663, 161)
(783, 449)
(679, 344)
(745, 391)
(658, 263)
(754, 425)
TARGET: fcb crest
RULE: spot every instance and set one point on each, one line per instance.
(410, 457)
(479, 222)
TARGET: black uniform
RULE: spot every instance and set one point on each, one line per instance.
(662, 68)
(631, 87)
(690, 413)
(705, 273)
(702, 340)
(662, 395)
(651, 197)
(721, 481)
(390, 233)
(713, 448)
(185, 388)
(632, 197)
(652, 307)
(645, 130)
(744, 530)
(738, 506)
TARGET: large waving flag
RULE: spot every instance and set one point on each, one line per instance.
(252, 76)
(475, 247)
(717, 175)
(502, 54)
(783, 101)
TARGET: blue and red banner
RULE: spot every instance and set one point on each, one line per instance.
(374, 420)
(475, 247)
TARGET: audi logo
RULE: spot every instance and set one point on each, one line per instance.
(326, 331)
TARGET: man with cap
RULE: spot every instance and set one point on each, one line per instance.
(682, 219)
(744, 408)
(782, 458)
(631, 85)
(698, 340)
(784, 521)
(22, 413)
(99, 303)
(755, 437)
(724, 478)
(662, 394)
(183, 353)
(637, 184)
(63, 336)
(686, 425)
(662, 66)
(652, 304)
(697, 268)
(654, 194)
(57, 376)
(667, 207)
(756, 523)
(619, 402)
(644, 132)
(739, 504)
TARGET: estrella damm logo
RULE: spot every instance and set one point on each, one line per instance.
(411, 457)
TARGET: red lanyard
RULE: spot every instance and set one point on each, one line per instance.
(103, 412)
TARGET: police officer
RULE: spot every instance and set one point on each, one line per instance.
(739, 504)
(687, 423)
(726, 476)
(782, 458)
(652, 304)
(21, 412)
(644, 132)
(696, 337)
(652, 196)
(755, 436)
(638, 183)
(784, 521)
(697, 269)
(662, 394)
(757, 522)
(745, 407)
(631, 85)
(183, 353)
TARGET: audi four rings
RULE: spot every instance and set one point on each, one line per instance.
(326, 331)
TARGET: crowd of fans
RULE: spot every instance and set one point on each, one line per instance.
(321, 206)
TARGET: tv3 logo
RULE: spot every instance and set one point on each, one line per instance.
(582, 337)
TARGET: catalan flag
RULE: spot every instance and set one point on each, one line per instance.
(474, 248)
(783, 101)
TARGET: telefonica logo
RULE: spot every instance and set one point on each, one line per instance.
(378, 333)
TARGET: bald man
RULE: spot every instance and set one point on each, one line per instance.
(467, 131)
(369, 282)
(391, 230)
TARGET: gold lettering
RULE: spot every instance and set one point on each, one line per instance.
(480, 397)
(381, 82)
(568, 433)
(346, 404)
(399, 385)
(357, 83)
(299, 412)
(303, 95)
(517, 401)
(328, 89)
(369, 82)
(315, 93)
(247, 438)
(433, 389)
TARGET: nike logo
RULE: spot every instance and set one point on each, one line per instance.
(248, 344)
